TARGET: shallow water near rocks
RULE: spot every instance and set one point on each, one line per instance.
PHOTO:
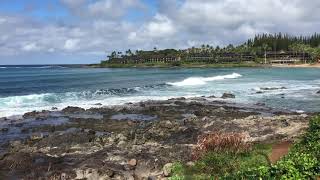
(140, 117)
(21, 129)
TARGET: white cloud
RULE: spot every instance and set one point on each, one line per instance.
(159, 27)
(30, 47)
(100, 26)
(51, 50)
(102, 8)
(71, 44)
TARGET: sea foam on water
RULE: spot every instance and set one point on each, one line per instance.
(193, 81)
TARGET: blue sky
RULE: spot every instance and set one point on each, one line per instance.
(84, 31)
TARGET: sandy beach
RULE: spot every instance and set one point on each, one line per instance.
(317, 65)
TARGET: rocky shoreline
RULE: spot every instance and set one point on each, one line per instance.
(131, 141)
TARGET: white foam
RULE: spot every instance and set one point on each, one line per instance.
(18, 105)
(195, 81)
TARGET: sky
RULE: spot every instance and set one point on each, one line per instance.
(85, 31)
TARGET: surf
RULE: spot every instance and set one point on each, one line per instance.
(195, 81)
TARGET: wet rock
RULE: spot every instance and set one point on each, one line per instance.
(260, 104)
(272, 88)
(4, 119)
(71, 109)
(178, 99)
(132, 162)
(318, 92)
(89, 131)
(259, 92)
(18, 125)
(202, 112)
(102, 149)
(54, 108)
(30, 114)
(4, 130)
(167, 169)
(37, 136)
(24, 130)
(98, 104)
(180, 103)
(212, 96)
(228, 95)
(37, 115)
(152, 178)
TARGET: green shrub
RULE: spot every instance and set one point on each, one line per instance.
(176, 63)
(302, 162)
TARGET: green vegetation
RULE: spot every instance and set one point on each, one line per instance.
(262, 49)
(302, 162)
(283, 42)
(180, 64)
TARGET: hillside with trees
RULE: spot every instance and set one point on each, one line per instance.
(262, 49)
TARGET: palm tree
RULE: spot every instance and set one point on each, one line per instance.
(113, 54)
(265, 48)
(203, 47)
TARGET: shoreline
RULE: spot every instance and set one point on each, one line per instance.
(297, 65)
(135, 139)
(201, 65)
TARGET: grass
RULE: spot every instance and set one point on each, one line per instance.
(219, 164)
(302, 161)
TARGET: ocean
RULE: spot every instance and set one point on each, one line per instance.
(28, 88)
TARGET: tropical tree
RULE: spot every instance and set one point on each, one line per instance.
(265, 47)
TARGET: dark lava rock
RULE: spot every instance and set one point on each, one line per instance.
(54, 108)
(272, 88)
(212, 96)
(260, 104)
(178, 99)
(35, 114)
(30, 114)
(4, 119)
(71, 109)
(4, 129)
(228, 95)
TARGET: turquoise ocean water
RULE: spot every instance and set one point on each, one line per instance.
(28, 88)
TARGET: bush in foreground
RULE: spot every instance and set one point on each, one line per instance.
(221, 142)
(302, 162)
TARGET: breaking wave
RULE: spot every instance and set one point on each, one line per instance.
(13, 105)
(193, 81)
